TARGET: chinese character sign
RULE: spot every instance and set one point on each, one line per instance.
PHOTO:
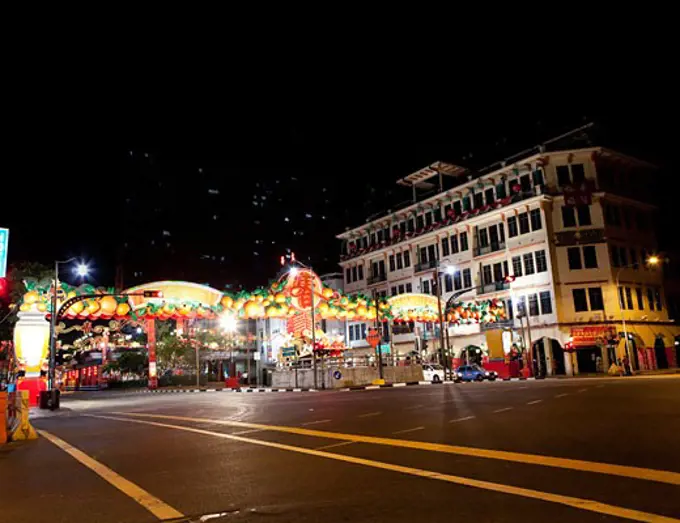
(304, 288)
(4, 243)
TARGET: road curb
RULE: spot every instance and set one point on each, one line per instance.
(240, 389)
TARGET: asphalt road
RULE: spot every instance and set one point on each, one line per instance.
(554, 450)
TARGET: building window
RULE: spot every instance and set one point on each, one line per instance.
(563, 177)
(512, 227)
(623, 255)
(489, 196)
(541, 262)
(351, 333)
(393, 265)
(411, 225)
(464, 241)
(348, 275)
(546, 302)
(640, 301)
(614, 255)
(426, 286)
(400, 261)
(596, 300)
(650, 298)
(445, 247)
(589, 257)
(657, 298)
(419, 222)
(583, 212)
(517, 266)
(466, 204)
(533, 305)
(629, 299)
(407, 258)
(538, 177)
(354, 274)
(627, 219)
(393, 290)
(574, 257)
(486, 273)
(409, 287)
(509, 309)
(423, 254)
(523, 223)
(363, 331)
(483, 238)
(401, 289)
(580, 301)
(448, 283)
(529, 263)
(643, 258)
(457, 209)
(479, 200)
(578, 173)
(501, 191)
(568, 216)
(467, 278)
(497, 272)
(457, 283)
(428, 219)
(454, 243)
(536, 223)
(521, 305)
(622, 303)
(361, 272)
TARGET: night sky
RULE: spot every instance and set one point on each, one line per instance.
(332, 162)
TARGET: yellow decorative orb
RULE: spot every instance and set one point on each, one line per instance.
(280, 298)
(42, 307)
(227, 302)
(31, 297)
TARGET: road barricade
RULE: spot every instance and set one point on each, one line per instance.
(14, 422)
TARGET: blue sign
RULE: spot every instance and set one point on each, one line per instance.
(385, 348)
(4, 244)
(337, 374)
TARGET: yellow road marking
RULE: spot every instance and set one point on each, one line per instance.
(578, 503)
(662, 476)
(150, 502)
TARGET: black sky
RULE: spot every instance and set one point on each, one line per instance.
(67, 151)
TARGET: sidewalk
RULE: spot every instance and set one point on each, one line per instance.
(660, 373)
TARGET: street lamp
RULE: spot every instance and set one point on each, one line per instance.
(449, 270)
(651, 261)
(82, 270)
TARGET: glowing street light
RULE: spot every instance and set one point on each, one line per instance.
(228, 322)
(653, 260)
(450, 269)
(81, 270)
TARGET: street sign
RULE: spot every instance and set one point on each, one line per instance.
(4, 244)
(384, 348)
(288, 352)
(337, 374)
(373, 337)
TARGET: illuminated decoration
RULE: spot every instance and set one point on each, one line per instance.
(484, 311)
(31, 343)
(413, 307)
(305, 289)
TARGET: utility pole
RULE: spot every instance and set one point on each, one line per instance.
(377, 326)
(441, 319)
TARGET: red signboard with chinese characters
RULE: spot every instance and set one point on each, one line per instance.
(592, 335)
(299, 323)
(304, 287)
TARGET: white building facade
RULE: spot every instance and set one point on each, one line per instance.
(550, 236)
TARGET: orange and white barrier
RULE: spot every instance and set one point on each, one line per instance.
(14, 422)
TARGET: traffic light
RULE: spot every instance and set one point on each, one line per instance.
(153, 294)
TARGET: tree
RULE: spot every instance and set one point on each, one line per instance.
(132, 362)
(19, 272)
(173, 352)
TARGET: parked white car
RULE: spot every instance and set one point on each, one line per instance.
(433, 373)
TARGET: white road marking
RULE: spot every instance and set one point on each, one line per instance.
(599, 386)
(562, 395)
(461, 419)
(525, 387)
(332, 445)
(413, 407)
(369, 414)
(534, 402)
(502, 410)
(246, 431)
(408, 430)
(581, 390)
(316, 422)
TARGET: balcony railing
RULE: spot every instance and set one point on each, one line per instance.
(397, 238)
(377, 278)
(492, 247)
(493, 287)
(426, 265)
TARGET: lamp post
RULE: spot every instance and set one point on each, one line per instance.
(651, 261)
(449, 270)
(378, 329)
(82, 271)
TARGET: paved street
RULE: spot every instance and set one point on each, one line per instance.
(556, 450)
